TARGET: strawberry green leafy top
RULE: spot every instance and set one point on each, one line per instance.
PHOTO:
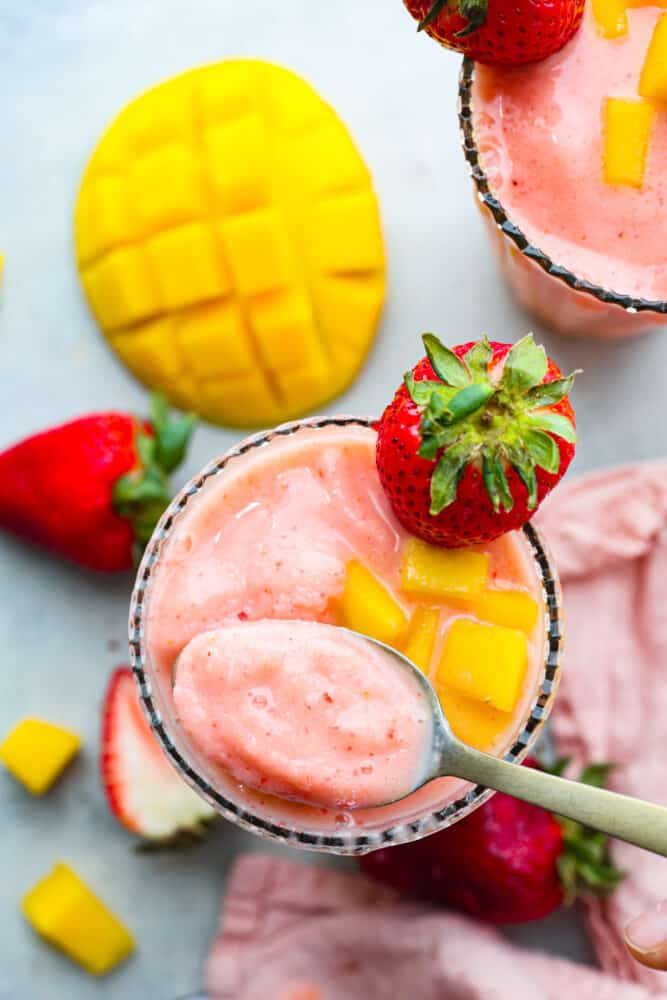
(496, 415)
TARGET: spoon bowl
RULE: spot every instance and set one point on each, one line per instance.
(643, 824)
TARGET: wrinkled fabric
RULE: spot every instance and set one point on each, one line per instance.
(608, 536)
(298, 932)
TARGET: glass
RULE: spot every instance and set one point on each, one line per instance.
(258, 818)
(553, 294)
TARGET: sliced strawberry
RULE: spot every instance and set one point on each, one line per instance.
(143, 790)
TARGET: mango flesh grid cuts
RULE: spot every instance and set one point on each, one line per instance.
(36, 752)
(369, 608)
(421, 637)
(627, 128)
(70, 917)
(229, 244)
(445, 573)
(653, 80)
(486, 663)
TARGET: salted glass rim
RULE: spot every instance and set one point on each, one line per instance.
(513, 232)
(341, 841)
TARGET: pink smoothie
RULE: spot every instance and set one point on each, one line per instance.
(305, 711)
(271, 538)
(538, 129)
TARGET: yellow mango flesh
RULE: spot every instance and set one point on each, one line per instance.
(627, 129)
(475, 723)
(368, 607)
(653, 79)
(445, 573)
(486, 663)
(512, 608)
(64, 911)
(36, 752)
(229, 244)
(611, 17)
(420, 640)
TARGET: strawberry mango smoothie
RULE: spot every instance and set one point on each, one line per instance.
(306, 711)
(543, 141)
(299, 530)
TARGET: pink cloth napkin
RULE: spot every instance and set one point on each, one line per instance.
(608, 536)
(298, 932)
(293, 932)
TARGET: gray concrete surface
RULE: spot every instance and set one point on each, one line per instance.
(66, 66)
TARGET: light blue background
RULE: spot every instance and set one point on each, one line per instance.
(66, 66)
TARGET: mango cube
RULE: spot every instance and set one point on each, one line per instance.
(512, 608)
(653, 79)
(476, 724)
(484, 662)
(421, 637)
(69, 916)
(369, 608)
(611, 17)
(627, 132)
(36, 752)
(446, 573)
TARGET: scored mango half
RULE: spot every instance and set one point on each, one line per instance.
(229, 243)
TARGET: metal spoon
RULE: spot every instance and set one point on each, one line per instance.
(641, 823)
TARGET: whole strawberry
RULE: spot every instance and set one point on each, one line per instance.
(93, 489)
(507, 862)
(500, 32)
(474, 440)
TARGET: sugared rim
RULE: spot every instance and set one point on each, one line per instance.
(514, 232)
(341, 842)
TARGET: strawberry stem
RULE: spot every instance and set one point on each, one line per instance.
(495, 419)
(433, 13)
(584, 867)
(142, 495)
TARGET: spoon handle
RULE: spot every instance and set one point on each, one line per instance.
(633, 820)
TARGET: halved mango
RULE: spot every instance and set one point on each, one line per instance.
(484, 662)
(369, 608)
(445, 573)
(627, 132)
